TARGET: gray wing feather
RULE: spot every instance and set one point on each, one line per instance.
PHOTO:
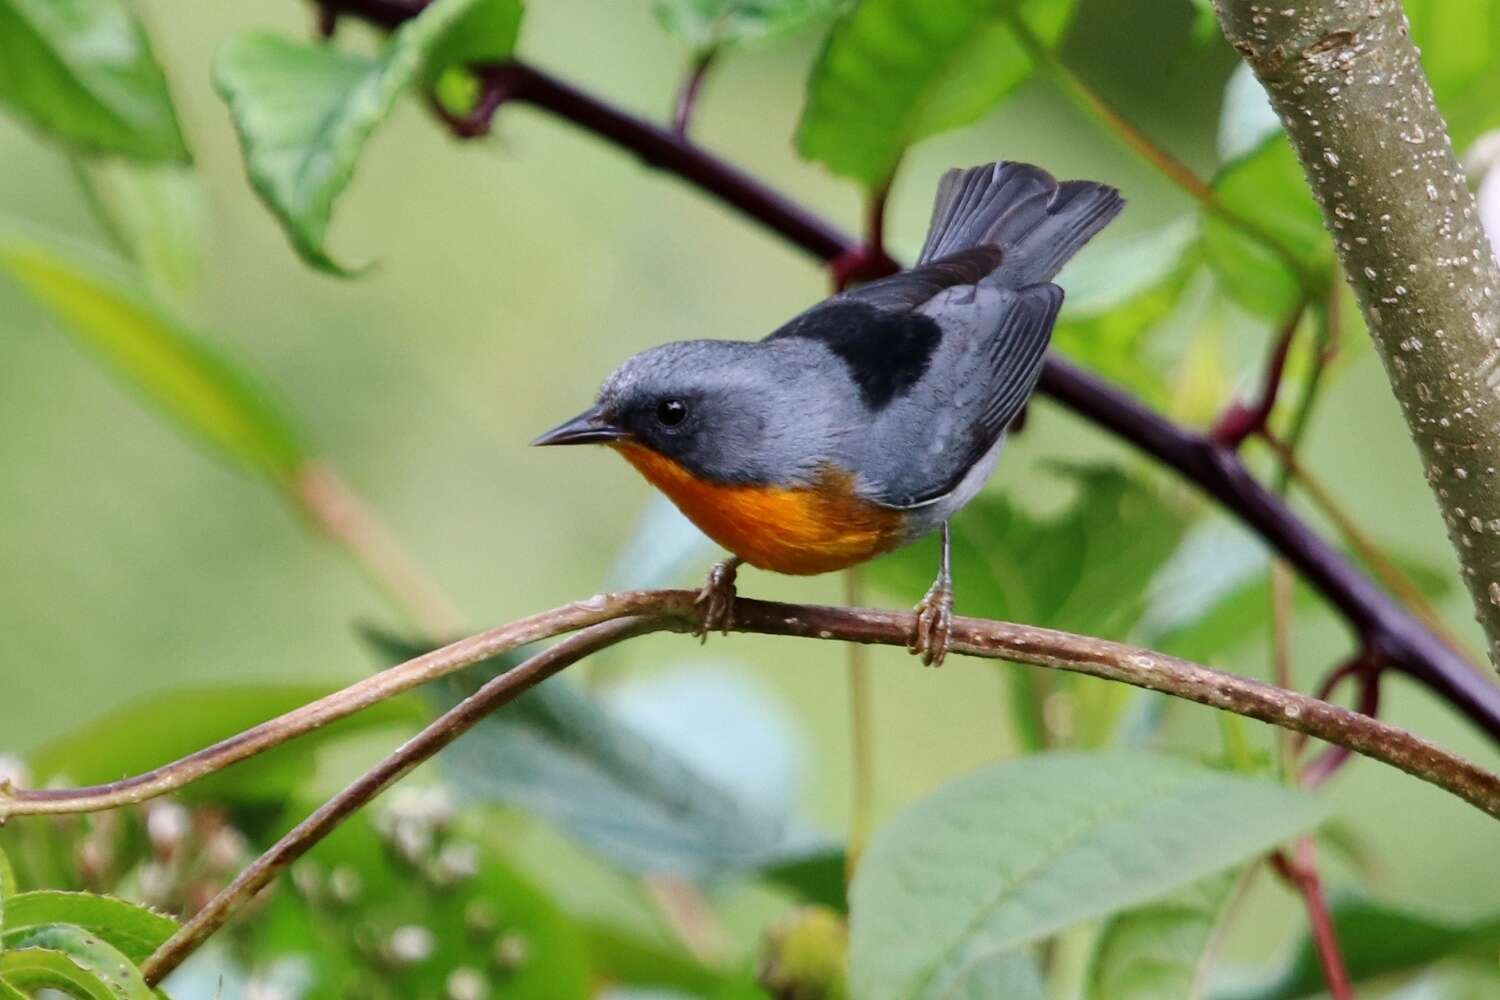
(994, 343)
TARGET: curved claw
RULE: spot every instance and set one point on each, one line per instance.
(934, 626)
(718, 594)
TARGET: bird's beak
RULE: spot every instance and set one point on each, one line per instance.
(589, 427)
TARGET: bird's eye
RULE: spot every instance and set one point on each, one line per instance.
(671, 412)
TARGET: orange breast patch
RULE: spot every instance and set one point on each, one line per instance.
(797, 531)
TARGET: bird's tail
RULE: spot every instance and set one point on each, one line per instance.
(1036, 222)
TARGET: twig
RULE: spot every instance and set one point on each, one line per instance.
(1302, 875)
(674, 610)
(361, 694)
(692, 86)
(1240, 421)
(447, 728)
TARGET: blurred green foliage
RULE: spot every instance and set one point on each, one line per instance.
(614, 838)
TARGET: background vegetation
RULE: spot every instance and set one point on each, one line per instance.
(158, 596)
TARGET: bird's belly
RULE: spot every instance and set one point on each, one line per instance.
(800, 531)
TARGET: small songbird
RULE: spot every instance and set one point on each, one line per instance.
(867, 421)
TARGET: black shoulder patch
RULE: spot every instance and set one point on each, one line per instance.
(887, 352)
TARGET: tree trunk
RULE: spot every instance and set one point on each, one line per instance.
(1348, 84)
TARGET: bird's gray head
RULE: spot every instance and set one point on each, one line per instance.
(727, 411)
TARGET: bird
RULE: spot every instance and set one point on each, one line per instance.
(867, 421)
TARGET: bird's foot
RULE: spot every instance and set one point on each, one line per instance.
(717, 599)
(934, 625)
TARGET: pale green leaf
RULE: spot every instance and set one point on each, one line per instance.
(304, 112)
(1460, 45)
(132, 930)
(82, 70)
(894, 72)
(202, 395)
(709, 24)
(154, 212)
(1155, 952)
(561, 754)
(1025, 848)
(1248, 121)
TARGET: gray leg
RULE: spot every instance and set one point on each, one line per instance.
(935, 613)
(718, 595)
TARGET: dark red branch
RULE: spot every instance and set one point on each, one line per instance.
(1364, 668)
(1239, 420)
(1378, 621)
(1301, 874)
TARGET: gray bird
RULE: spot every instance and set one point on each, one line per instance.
(867, 421)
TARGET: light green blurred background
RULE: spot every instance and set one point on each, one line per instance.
(511, 274)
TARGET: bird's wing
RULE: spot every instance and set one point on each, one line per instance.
(991, 353)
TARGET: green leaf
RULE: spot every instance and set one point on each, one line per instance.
(153, 211)
(304, 112)
(132, 930)
(1154, 952)
(1460, 45)
(1117, 299)
(203, 396)
(894, 72)
(83, 71)
(146, 734)
(43, 968)
(708, 24)
(1248, 121)
(1267, 187)
(1022, 849)
(90, 964)
(9, 992)
(560, 754)
(1377, 940)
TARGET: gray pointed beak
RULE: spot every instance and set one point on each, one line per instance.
(589, 427)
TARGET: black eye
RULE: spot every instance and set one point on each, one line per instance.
(671, 412)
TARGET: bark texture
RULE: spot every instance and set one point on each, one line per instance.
(1348, 84)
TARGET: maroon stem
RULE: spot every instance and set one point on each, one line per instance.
(1301, 874)
(1240, 421)
(1378, 621)
(692, 86)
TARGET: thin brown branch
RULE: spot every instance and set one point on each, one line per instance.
(362, 694)
(447, 728)
(675, 610)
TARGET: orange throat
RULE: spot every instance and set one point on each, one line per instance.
(800, 531)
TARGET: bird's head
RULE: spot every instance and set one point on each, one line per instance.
(712, 407)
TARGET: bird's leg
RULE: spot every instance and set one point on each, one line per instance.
(718, 594)
(935, 614)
